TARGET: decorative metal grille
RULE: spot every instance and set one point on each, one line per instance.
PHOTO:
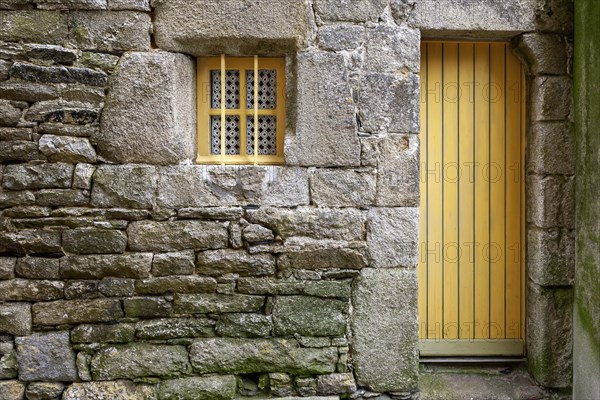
(267, 89)
(232, 89)
(267, 137)
(232, 135)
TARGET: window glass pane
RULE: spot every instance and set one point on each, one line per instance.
(267, 137)
(232, 134)
(267, 89)
(232, 89)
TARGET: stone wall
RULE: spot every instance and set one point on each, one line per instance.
(129, 272)
(586, 325)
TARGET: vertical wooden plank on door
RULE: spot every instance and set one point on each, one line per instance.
(482, 191)
(513, 197)
(466, 230)
(496, 175)
(434, 188)
(522, 217)
(422, 269)
(450, 190)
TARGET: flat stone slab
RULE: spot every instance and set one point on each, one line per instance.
(458, 382)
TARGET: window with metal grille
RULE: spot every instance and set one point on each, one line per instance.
(241, 110)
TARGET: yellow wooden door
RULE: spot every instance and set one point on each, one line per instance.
(471, 262)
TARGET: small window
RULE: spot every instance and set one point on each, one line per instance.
(241, 110)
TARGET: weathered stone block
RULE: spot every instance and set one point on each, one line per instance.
(398, 166)
(178, 263)
(131, 265)
(324, 258)
(67, 149)
(57, 74)
(15, 319)
(223, 387)
(309, 316)
(202, 186)
(392, 237)
(552, 148)
(62, 111)
(176, 284)
(11, 199)
(25, 91)
(81, 290)
(173, 328)
(139, 360)
(500, 19)
(147, 307)
(244, 325)
(133, 5)
(385, 328)
(54, 128)
(359, 11)
(4, 68)
(336, 384)
(551, 256)
(18, 150)
(71, 4)
(46, 357)
(551, 201)
(30, 242)
(90, 240)
(82, 177)
(391, 49)
(44, 391)
(12, 389)
(255, 233)
(326, 123)
(122, 390)
(550, 344)
(219, 262)
(48, 52)
(9, 114)
(342, 188)
(76, 312)
(177, 235)
(337, 37)
(25, 290)
(115, 287)
(61, 197)
(551, 98)
(216, 303)
(160, 110)
(38, 268)
(346, 224)
(8, 365)
(33, 26)
(188, 27)
(544, 53)
(389, 103)
(554, 16)
(214, 213)
(221, 355)
(7, 267)
(118, 333)
(37, 176)
(127, 186)
(185, 186)
(269, 286)
(326, 289)
(110, 30)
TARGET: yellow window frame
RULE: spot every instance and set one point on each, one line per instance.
(207, 64)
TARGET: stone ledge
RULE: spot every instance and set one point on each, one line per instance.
(231, 26)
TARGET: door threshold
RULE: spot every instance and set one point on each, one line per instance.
(461, 360)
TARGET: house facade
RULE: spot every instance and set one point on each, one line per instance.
(167, 236)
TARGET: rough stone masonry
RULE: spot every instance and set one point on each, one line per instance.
(128, 272)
